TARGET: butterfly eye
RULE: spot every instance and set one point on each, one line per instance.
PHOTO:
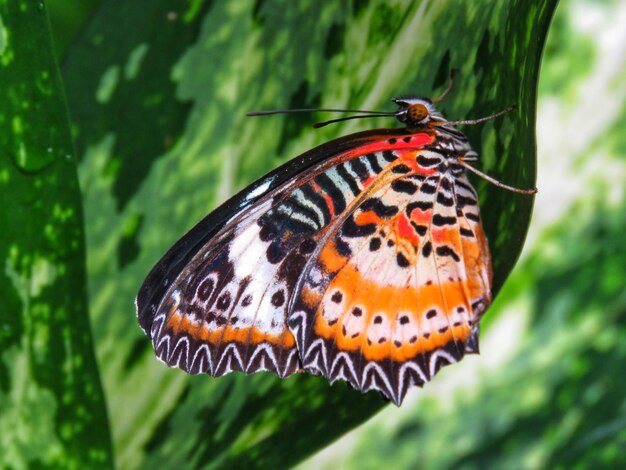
(417, 112)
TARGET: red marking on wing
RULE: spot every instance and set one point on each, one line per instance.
(416, 141)
(405, 230)
(329, 200)
(330, 204)
(421, 217)
(368, 181)
(439, 235)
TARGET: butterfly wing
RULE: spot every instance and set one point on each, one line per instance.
(367, 247)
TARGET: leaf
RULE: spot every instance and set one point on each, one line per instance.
(158, 96)
(52, 411)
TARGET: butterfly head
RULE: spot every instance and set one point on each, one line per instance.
(416, 112)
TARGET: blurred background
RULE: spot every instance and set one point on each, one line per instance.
(549, 388)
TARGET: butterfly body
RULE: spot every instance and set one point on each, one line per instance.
(363, 260)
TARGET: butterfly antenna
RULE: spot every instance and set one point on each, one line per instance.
(316, 110)
(495, 181)
(363, 114)
(317, 125)
(448, 88)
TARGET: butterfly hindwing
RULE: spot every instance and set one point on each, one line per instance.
(399, 281)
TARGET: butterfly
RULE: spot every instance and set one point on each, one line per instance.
(363, 259)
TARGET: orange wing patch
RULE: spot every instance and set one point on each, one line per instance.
(180, 324)
(382, 322)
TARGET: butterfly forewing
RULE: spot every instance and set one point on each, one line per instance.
(362, 260)
(217, 301)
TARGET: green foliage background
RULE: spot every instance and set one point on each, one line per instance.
(157, 97)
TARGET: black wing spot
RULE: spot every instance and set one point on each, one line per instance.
(375, 244)
(389, 155)
(444, 200)
(343, 248)
(447, 251)
(427, 249)
(402, 186)
(205, 289)
(427, 162)
(224, 301)
(378, 207)
(473, 217)
(421, 205)
(275, 253)
(419, 229)
(428, 188)
(440, 220)
(402, 261)
(463, 201)
(400, 169)
(278, 299)
(337, 297)
(351, 229)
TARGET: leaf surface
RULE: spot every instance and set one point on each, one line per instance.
(159, 97)
(52, 410)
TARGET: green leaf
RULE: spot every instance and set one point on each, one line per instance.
(52, 411)
(158, 96)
